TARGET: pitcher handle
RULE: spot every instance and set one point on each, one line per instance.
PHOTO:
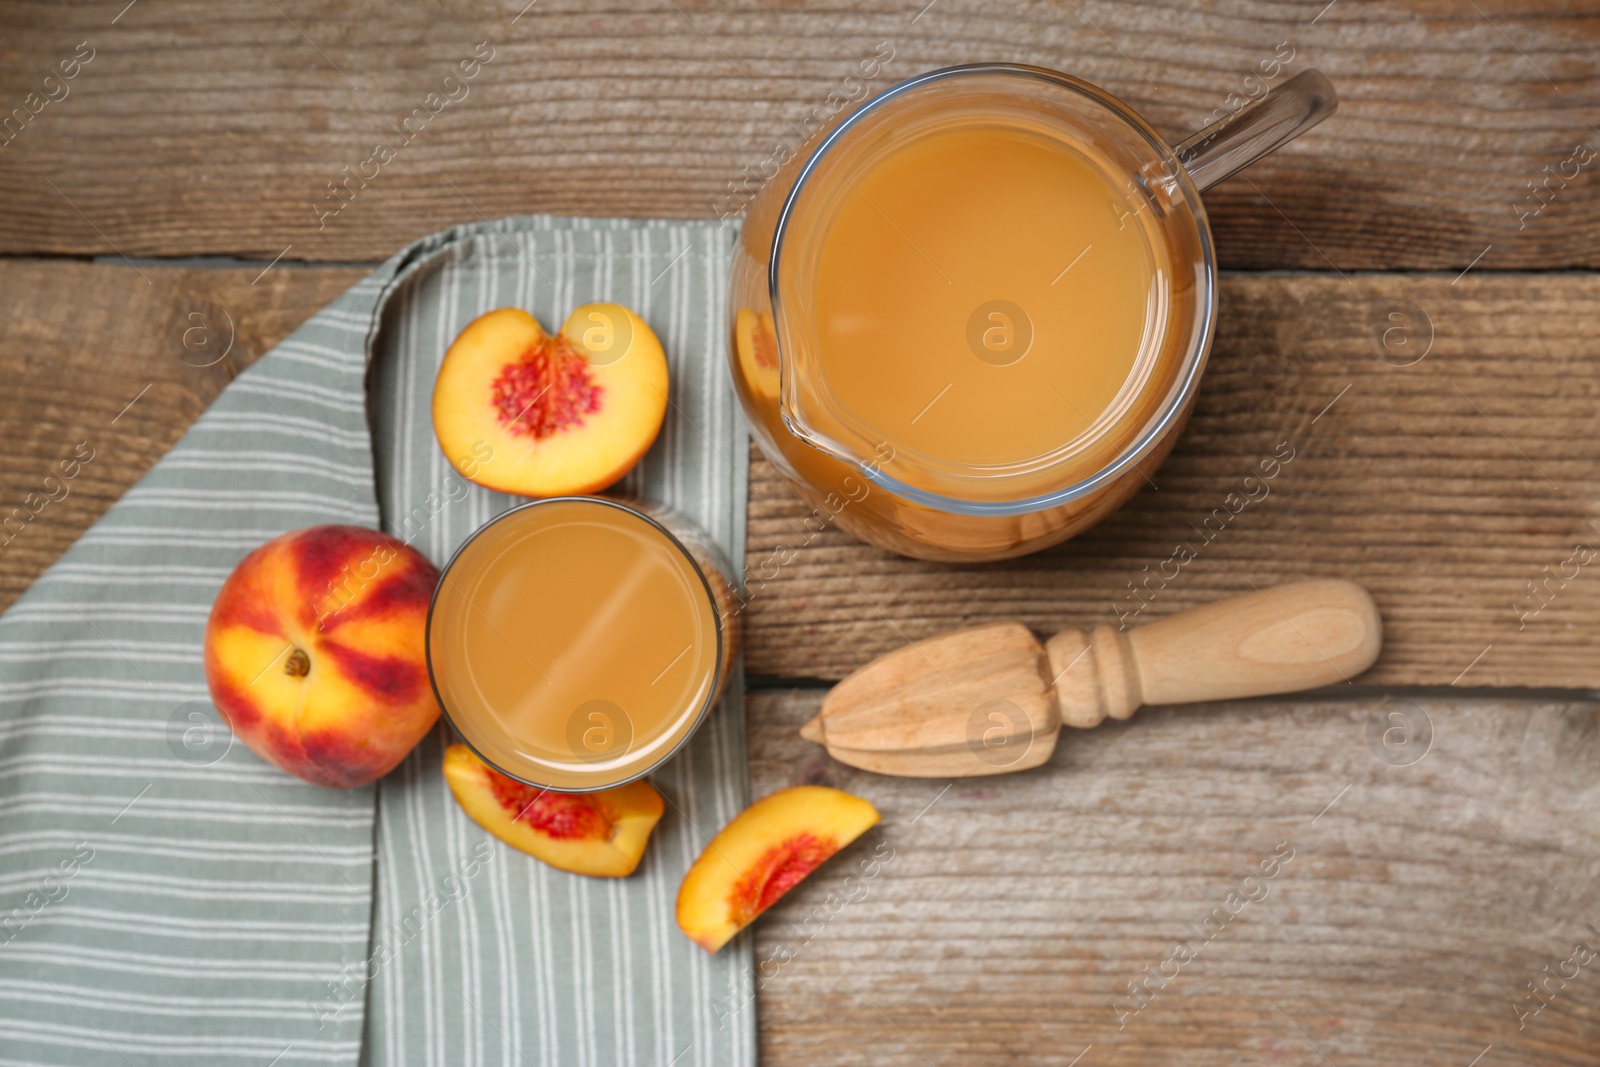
(1228, 146)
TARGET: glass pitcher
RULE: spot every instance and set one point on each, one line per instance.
(1013, 454)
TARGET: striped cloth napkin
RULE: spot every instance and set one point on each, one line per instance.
(168, 898)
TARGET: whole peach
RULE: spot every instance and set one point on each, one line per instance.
(314, 653)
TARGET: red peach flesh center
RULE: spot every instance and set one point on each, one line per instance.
(563, 816)
(779, 870)
(546, 390)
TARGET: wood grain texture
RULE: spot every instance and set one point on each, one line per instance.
(123, 360)
(221, 128)
(1005, 917)
(1445, 487)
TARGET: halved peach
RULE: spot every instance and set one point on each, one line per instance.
(756, 339)
(764, 852)
(600, 834)
(522, 411)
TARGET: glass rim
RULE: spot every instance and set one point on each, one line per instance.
(1188, 378)
(705, 583)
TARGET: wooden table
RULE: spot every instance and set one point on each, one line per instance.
(1409, 301)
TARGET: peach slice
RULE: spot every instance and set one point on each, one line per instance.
(600, 834)
(764, 852)
(756, 339)
(521, 411)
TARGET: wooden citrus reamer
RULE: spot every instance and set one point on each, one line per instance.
(991, 699)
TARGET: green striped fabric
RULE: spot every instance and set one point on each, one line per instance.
(168, 898)
(521, 963)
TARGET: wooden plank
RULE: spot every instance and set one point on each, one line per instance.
(222, 127)
(1445, 487)
(115, 363)
(1006, 916)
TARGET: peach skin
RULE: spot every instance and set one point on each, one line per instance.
(314, 653)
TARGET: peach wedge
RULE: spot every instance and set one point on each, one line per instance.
(762, 854)
(599, 834)
(755, 339)
(521, 411)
